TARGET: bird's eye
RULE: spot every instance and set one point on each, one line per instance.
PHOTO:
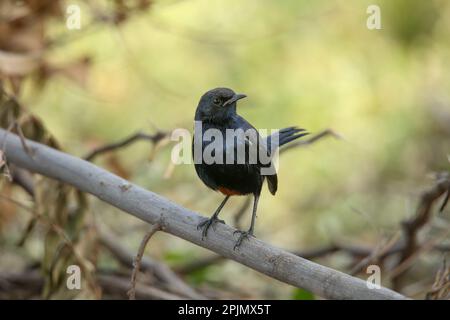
(216, 101)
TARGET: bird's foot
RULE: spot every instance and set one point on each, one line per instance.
(243, 235)
(206, 224)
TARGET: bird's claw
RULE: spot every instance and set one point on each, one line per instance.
(206, 224)
(243, 235)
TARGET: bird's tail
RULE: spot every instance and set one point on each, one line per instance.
(273, 142)
(285, 136)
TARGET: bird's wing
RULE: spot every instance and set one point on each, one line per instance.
(259, 150)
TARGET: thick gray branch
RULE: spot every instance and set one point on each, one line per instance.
(181, 222)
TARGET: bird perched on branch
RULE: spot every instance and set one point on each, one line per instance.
(239, 162)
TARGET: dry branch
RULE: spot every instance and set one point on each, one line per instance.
(159, 270)
(28, 284)
(120, 284)
(137, 261)
(153, 138)
(181, 222)
(414, 225)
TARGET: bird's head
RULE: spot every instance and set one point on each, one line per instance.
(217, 105)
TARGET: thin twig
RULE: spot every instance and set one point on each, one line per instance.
(137, 261)
(153, 138)
(421, 218)
(120, 284)
(441, 286)
(169, 279)
(6, 171)
(444, 203)
(377, 254)
(427, 246)
(32, 282)
(22, 138)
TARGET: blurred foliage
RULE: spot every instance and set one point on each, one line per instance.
(301, 294)
(142, 65)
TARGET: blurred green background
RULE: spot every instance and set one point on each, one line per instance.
(309, 63)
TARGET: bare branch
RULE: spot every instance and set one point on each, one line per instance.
(378, 253)
(112, 285)
(427, 246)
(137, 261)
(181, 222)
(161, 271)
(5, 170)
(22, 137)
(444, 203)
(153, 138)
(423, 215)
(120, 284)
(441, 285)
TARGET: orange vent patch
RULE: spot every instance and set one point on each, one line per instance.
(229, 192)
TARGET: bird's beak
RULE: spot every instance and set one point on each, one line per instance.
(235, 98)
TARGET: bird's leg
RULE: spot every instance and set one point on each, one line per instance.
(249, 233)
(205, 225)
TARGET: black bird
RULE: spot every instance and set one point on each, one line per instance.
(217, 110)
